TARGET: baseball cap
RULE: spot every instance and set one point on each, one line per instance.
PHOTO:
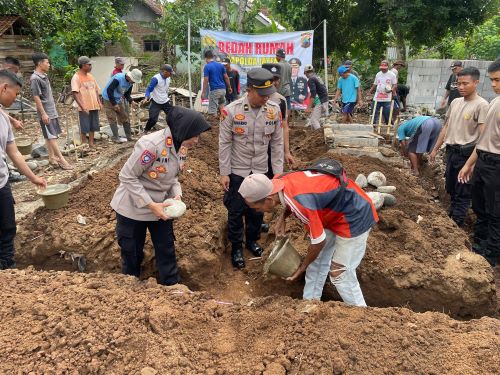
(384, 64)
(275, 69)
(168, 68)
(226, 60)
(399, 62)
(456, 63)
(281, 53)
(262, 81)
(119, 60)
(82, 60)
(135, 75)
(342, 69)
(308, 68)
(348, 63)
(257, 187)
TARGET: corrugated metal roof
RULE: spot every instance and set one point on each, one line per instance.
(6, 22)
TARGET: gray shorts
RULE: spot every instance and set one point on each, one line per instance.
(52, 130)
(216, 98)
(425, 137)
(89, 122)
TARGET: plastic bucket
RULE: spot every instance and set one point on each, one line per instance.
(283, 260)
(24, 145)
(55, 196)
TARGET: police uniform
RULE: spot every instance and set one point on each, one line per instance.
(299, 84)
(149, 175)
(244, 137)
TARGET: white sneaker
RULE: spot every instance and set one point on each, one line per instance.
(119, 140)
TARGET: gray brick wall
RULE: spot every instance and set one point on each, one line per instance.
(427, 80)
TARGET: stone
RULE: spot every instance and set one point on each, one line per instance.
(39, 151)
(97, 136)
(43, 163)
(377, 199)
(361, 181)
(387, 152)
(389, 199)
(32, 165)
(386, 189)
(148, 371)
(27, 157)
(377, 179)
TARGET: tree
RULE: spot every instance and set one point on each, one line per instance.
(242, 8)
(224, 14)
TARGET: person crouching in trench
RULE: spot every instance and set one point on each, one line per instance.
(148, 178)
(338, 228)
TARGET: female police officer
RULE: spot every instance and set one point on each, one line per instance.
(148, 178)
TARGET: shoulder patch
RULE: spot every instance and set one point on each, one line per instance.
(147, 157)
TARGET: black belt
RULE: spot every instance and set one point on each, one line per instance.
(488, 157)
(461, 149)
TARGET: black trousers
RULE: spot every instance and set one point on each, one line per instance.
(131, 237)
(236, 210)
(460, 194)
(154, 113)
(7, 228)
(486, 203)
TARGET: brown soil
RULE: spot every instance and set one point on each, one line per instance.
(64, 323)
(426, 266)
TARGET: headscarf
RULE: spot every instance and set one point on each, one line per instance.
(184, 124)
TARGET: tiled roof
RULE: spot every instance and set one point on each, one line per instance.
(154, 6)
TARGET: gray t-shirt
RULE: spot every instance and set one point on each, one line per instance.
(40, 86)
(6, 136)
(285, 88)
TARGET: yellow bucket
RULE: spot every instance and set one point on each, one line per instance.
(24, 145)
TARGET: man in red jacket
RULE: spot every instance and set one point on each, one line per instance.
(338, 221)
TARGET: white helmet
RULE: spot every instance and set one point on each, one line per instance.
(135, 75)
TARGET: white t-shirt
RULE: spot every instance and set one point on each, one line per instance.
(384, 82)
(396, 72)
(6, 137)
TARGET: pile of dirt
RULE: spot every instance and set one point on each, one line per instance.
(63, 323)
(426, 266)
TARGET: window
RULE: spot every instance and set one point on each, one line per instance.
(152, 45)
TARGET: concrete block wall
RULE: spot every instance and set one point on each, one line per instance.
(427, 80)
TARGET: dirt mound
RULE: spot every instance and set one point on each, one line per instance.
(426, 266)
(63, 323)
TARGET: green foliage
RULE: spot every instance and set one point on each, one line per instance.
(484, 43)
(80, 27)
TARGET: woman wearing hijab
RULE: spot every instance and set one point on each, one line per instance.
(148, 178)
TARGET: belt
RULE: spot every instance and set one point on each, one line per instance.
(467, 147)
(488, 157)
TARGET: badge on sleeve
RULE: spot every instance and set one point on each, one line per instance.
(169, 142)
(153, 175)
(223, 114)
(147, 157)
(164, 152)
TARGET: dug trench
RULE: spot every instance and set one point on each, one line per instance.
(424, 266)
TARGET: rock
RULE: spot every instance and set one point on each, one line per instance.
(32, 165)
(361, 181)
(377, 199)
(39, 151)
(148, 371)
(97, 136)
(11, 167)
(27, 157)
(43, 163)
(386, 189)
(77, 142)
(387, 152)
(274, 368)
(389, 199)
(376, 179)
(105, 136)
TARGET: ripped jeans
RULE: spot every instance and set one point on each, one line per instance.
(339, 259)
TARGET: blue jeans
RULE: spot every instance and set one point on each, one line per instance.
(339, 258)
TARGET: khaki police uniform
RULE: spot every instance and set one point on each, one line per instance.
(244, 137)
(149, 175)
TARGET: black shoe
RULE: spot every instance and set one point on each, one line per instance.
(264, 227)
(255, 248)
(237, 258)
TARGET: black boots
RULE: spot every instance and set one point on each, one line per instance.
(255, 248)
(237, 257)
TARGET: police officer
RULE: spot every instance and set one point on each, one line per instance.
(148, 178)
(248, 126)
(299, 84)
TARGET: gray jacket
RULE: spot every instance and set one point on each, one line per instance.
(149, 175)
(244, 139)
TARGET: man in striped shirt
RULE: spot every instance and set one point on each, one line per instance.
(338, 221)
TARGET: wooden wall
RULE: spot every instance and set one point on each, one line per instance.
(17, 46)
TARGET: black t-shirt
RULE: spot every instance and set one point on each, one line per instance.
(317, 87)
(234, 80)
(452, 87)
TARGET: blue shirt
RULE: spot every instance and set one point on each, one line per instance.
(120, 90)
(349, 88)
(410, 127)
(215, 72)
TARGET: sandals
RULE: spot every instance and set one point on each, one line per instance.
(66, 167)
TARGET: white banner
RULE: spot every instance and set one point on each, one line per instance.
(251, 51)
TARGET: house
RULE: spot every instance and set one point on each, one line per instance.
(14, 41)
(140, 23)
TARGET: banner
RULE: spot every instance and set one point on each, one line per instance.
(251, 51)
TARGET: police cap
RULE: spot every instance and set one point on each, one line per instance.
(261, 80)
(280, 53)
(295, 61)
(275, 69)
